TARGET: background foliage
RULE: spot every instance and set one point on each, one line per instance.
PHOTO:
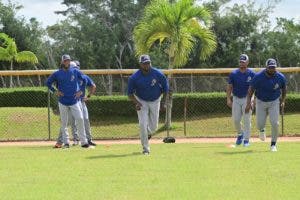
(99, 34)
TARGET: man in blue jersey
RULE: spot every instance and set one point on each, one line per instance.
(68, 91)
(88, 82)
(238, 85)
(269, 86)
(144, 89)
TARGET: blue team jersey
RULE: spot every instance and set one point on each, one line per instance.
(240, 82)
(148, 87)
(87, 82)
(268, 88)
(66, 82)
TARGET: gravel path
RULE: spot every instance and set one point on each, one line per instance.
(152, 141)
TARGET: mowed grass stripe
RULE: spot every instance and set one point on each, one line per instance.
(172, 171)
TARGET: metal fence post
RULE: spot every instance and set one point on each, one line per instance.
(184, 115)
(49, 127)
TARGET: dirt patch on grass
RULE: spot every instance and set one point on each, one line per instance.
(152, 141)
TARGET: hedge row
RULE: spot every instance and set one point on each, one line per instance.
(197, 103)
(23, 97)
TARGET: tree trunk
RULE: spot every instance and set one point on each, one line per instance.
(169, 102)
(11, 78)
(39, 77)
(168, 117)
(3, 82)
(18, 81)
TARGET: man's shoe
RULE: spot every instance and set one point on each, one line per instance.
(273, 148)
(66, 146)
(57, 146)
(239, 139)
(92, 143)
(262, 135)
(85, 145)
(146, 152)
(149, 137)
(246, 143)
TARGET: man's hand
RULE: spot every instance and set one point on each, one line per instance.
(248, 107)
(59, 93)
(78, 94)
(138, 106)
(229, 103)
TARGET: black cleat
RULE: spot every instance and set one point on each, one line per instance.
(92, 143)
(85, 146)
(66, 146)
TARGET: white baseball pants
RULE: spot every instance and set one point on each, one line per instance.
(238, 111)
(87, 125)
(148, 120)
(78, 116)
(71, 122)
(262, 111)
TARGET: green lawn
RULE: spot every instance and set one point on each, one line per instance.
(31, 123)
(171, 171)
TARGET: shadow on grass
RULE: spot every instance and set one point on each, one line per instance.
(235, 152)
(37, 147)
(115, 155)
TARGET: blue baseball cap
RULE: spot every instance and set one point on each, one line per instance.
(244, 58)
(271, 62)
(144, 59)
(65, 57)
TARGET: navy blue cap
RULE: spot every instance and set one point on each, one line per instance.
(144, 59)
(244, 58)
(65, 57)
(271, 62)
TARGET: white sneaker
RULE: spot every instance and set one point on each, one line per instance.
(262, 135)
(273, 148)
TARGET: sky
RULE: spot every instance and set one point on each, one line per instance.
(43, 10)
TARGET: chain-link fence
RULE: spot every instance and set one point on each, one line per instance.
(29, 112)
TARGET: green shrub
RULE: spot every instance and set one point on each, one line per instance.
(111, 106)
(23, 97)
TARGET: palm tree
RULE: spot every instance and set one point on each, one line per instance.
(180, 25)
(8, 52)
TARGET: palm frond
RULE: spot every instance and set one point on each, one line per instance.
(207, 38)
(12, 49)
(26, 56)
(181, 24)
(5, 40)
(4, 56)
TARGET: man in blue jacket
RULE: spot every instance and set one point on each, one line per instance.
(145, 87)
(269, 86)
(87, 83)
(238, 85)
(68, 91)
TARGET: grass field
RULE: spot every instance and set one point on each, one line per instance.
(171, 171)
(31, 123)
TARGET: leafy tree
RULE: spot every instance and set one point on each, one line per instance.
(27, 34)
(179, 25)
(8, 52)
(285, 37)
(98, 33)
(239, 29)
